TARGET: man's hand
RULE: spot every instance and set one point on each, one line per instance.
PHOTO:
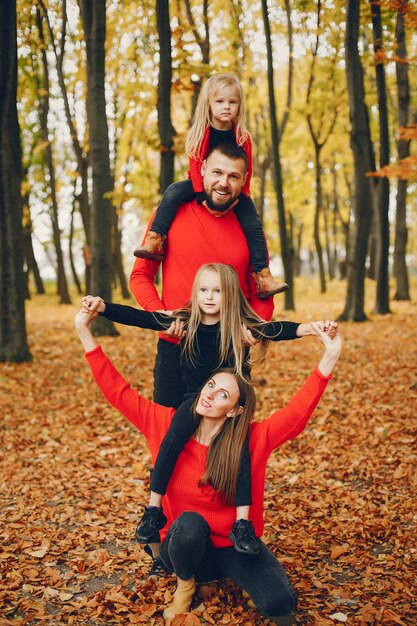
(176, 329)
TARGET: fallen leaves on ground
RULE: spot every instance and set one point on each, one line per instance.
(339, 500)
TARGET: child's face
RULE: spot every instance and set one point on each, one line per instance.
(224, 108)
(209, 297)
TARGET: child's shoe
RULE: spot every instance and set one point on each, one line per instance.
(243, 536)
(153, 247)
(147, 531)
(266, 285)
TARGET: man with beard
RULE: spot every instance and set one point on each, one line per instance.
(208, 233)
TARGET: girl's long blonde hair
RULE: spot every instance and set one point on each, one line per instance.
(225, 450)
(234, 311)
(203, 119)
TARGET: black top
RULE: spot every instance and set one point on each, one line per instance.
(219, 137)
(207, 359)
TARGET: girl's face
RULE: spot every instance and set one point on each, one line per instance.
(224, 108)
(209, 297)
(219, 397)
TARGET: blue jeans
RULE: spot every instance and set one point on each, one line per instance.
(187, 551)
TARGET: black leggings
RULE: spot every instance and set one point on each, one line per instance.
(182, 191)
(181, 428)
(187, 551)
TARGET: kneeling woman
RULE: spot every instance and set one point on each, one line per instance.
(199, 502)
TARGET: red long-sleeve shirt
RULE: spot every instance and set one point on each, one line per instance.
(196, 237)
(195, 164)
(184, 492)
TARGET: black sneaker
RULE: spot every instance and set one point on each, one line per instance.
(243, 536)
(158, 569)
(147, 531)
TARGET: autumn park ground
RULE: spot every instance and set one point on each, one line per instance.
(340, 500)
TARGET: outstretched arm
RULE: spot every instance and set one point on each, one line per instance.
(290, 421)
(82, 323)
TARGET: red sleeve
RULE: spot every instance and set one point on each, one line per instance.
(290, 421)
(150, 418)
(247, 146)
(195, 164)
(142, 282)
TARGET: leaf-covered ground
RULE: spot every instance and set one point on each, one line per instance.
(340, 500)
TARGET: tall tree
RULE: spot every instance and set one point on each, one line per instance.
(403, 146)
(203, 42)
(363, 198)
(286, 249)
(93, 14)
(166, 129)
(319, 135)
(79, 151)
(381, 215)
(62, 285)
(13, 341)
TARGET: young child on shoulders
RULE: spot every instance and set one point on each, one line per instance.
(219, 119)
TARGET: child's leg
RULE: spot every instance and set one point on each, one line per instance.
(252, 227)
(242, 533)
(180, 430)
(182, 427)
(174, 196)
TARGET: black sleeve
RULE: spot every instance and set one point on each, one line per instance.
(278, 331)
(200, 196)
(135, 317)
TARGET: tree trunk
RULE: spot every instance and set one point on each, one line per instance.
(286, 249)
(329, 255)
(319, 206)
(118, 259)
(204, 44)
(71, 256)
(82, 159)
(403, 146)
(28, 252)
(363, 163)
(166, 129)
(382, 217)
(62, 285)
(13, 341)
(93, 13)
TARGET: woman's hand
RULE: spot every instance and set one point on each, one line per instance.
(332, 343)
(82, 323)
(329, 327)
(93, 303)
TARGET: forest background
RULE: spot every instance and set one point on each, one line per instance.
(95, 103)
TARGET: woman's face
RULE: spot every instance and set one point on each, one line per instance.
(219, 397)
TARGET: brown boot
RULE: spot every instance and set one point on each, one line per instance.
(266, 285)
(153, 247)
(182, 598)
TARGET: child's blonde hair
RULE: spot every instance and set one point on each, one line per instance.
(234, 311)
(202, 116)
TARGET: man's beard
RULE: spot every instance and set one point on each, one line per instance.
(223, 207)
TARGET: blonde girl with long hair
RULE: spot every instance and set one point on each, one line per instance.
(215, 327)
(219, 120)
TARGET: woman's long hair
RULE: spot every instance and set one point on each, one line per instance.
(203, 119)
(225, 450)
(234, 311)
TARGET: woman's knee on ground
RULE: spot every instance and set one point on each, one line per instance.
(278, 602)
(190, 527)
